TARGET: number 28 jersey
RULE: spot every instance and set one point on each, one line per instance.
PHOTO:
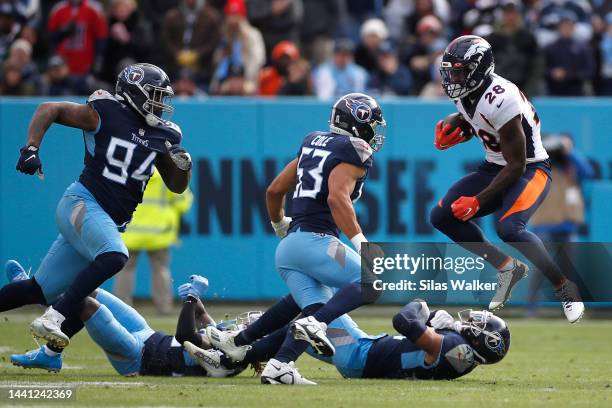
(120, 154)
(319, 154)
(492, 108)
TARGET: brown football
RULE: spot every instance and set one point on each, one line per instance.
(456, 120)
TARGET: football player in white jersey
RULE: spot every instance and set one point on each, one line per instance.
(512, 181)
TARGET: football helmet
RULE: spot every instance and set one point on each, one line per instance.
(146, 88)
(466, 63)
(359, 115)
(487, 334)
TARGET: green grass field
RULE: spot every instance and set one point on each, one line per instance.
(551, 363)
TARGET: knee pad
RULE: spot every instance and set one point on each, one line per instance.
(111, 262)
(438, 217)
(508, 231)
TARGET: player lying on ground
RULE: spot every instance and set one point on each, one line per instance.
(327, 177)
(131, 346)
(431, 346)
(513, 180)
(124, 136)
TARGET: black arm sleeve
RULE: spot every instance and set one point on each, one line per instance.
(186, 326)
(407, 321)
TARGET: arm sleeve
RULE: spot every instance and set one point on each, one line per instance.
(186, 326)
(408, 323)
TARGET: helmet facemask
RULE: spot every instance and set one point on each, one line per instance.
(379, 128)
(157, 103)
(457, 79)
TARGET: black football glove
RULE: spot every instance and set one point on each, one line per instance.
(29, 161)
(179, 156)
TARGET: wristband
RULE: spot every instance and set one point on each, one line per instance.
(357, 240)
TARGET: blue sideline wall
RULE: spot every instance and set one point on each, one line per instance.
(238, 145)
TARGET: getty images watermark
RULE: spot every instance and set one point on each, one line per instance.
(467, 273)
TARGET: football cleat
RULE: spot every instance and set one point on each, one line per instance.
(276, 372)
(14, 271)
(48, 327)
(505, 283)
(38, 359)
(210, 360)
(224, 341)
(571, 301)
(313, 331)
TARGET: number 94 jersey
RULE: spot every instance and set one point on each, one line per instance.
(498, 101)
(319, 154)
(120, 154)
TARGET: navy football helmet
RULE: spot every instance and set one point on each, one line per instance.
(359, 115)
(487, 334)
(146, 88)
(466, 63)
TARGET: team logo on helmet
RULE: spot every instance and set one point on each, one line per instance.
(360, 110)
(134, 74)
(477, 48)
(495, 343)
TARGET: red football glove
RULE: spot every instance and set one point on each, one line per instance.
(465, 208)
(445, 138)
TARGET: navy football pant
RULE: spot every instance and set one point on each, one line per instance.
(512, 210)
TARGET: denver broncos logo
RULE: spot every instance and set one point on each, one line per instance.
(360, 110)
(133, 74)
(477, 48)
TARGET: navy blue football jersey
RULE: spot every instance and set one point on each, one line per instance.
(319, 154)
(163, 355)
(119, 155)
(398, 357)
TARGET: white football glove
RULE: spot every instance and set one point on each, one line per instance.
(443, 320)
(281, 227)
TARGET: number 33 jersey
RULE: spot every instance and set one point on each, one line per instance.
(489, 110)
(319, 154)
(120, 154)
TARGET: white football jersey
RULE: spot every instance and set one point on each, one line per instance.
(500, 102)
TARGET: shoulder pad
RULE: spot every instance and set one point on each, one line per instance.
(174, 130)
(460, 357)
(362, 148)
(101, 94)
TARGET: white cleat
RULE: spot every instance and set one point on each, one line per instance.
(209, 360)
(49, 327)
(276, 372)
(506, 282)
(571, 301)
(224, 341)
(313, 331)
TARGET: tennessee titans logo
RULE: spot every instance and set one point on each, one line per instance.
(495, 343)
(134, 74)
(360, 110)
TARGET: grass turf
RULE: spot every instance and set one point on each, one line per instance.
(551, 363)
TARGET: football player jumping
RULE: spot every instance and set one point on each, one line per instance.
(124, 137)
(513, 180)
(327, 177)
(431, 346)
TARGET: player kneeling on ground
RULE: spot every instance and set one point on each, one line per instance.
(431, 346)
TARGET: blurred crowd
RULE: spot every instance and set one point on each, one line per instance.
(300, 47)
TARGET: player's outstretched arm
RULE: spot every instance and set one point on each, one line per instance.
(340, 185)
(512, 142)
(186, 327)
(65, 113)
(275, 197)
